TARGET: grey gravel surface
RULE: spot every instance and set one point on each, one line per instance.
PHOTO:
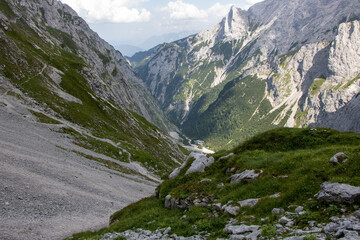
(46, 190)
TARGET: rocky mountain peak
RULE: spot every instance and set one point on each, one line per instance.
(234, 26)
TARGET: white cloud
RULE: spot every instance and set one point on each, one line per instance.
(117, 11)
(219, 10)
(254, 1)
(249, 3)
(180, 10)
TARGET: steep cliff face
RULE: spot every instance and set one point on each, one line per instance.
(110, 76)
(292, 63)
(52, 62)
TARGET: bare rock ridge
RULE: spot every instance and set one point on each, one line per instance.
(303, 57)
(110, 75)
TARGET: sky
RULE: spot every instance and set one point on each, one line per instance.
(134, 22)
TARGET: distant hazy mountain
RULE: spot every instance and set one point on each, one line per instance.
(165, 38)
(127, 50)
(281, 63)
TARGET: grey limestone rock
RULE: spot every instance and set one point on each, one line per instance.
(174, 173)
(284, 220)
(339, 158)
(357, 214)
(240, 229)
(167, 201)
(232, 210)
(200, 163)
(299, 209)
(350, 235)
(338, 193)
(249, 202)
(245, 176)
(277, 210)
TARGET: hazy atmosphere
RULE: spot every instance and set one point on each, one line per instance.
(146, 23)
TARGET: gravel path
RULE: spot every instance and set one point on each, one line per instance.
(47, 192)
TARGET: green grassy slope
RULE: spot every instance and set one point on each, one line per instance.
(294, 163)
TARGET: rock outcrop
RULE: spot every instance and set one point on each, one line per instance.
(338, 193)
(245, 176)
(200, 162)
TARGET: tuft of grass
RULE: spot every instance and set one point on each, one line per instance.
(316, 85)
(44, 119)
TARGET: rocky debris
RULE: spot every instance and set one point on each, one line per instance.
(159, 234)
(176, 203)
(345, 227)
(338, 193)
(245, 176)
(249, 202)
(339, 158)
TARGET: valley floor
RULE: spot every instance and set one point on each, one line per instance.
(46, 190)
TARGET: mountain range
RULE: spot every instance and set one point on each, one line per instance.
(82, 135)
(294, 65)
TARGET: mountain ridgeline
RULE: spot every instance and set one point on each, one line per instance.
(280, 63)
(52, 62)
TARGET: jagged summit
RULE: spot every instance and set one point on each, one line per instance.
(295, 23)
(284, 25)
(234, 26)
(272, 65)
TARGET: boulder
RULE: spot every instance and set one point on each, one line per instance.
(200, 163)
(357, 214)
(339, 158)
(338, 193)
(299, 209)
(167, 201)
(232, 210)
(277, 211)
(284, 220)
(240, 229)
(237, 237)
(350, 235)
(276, 195)
(249, 202)
(245, 176)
